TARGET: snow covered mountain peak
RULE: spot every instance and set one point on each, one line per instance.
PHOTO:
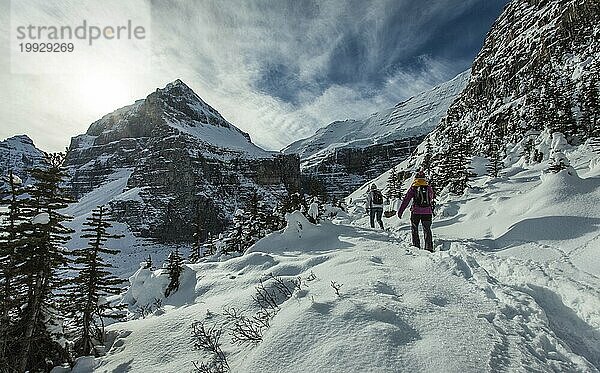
(166, 159)
(345, 154)
(179, 91)
(19, 154)
(23, 139)
(412, 117)
(170, 111)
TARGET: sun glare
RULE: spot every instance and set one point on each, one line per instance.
(102, 94)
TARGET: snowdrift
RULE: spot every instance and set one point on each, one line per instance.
(513, 285)
(455, 310)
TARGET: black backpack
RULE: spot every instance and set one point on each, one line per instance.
(377, 198)
(422, 196)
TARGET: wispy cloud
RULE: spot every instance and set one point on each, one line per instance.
(281, 69)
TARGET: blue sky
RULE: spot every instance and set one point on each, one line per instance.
(277, 69)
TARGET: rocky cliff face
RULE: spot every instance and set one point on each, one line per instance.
(346, 154)
(19, 154)
(538, 69)
(181, 160)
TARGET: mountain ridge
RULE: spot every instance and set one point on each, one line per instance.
(182, 159)
(19, 154)
(345, 154)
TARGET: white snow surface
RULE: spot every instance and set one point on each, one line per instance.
(133, 249)
(513, 286)
(416, 116)
(42, 218)
(229, 138)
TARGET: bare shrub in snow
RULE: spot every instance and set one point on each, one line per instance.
(157, 304)
(336, 287)
(249, 329)
(246, 329)
(266, 298)
(286, 288)
(144, 310)
(208, 340)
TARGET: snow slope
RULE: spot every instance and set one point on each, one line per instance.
(452, 311)
(513, 286)
(133, 249)
(526, 212)
(414, 117)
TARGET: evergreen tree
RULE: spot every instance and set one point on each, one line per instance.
(590, 103)
(453, 169)
(560, 117)
(200, 234)
(293, 202)
(427, 157)
(209, 247)
(234, 237)
(46, 256)
(528, 150)
(570, 126)
(12, 283)
(538, 114)
(558, 162)
(495, 161)
(551, 116)
(174, 270)
(494, 154)
(250, 225)
(313, 186)
(93, 283)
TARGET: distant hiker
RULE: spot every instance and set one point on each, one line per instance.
(421, 211)
(375, 205)
(313, 212)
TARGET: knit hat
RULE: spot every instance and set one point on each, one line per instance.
(373, 186)
(420, 175)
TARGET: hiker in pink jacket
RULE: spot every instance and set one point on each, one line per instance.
(421, 211)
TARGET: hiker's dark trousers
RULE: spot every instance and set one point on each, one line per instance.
(414, 224)
(375, 214)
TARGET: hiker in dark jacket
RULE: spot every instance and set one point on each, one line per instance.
(421, 211)
(375, 205)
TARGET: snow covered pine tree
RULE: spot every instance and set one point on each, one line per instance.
(93, 283)
(44, 243)
(12, 286)
(174, 269)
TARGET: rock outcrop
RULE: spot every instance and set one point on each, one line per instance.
(183, 161)
(19, 154)
(538, 69)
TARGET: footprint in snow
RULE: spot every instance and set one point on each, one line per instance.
(376, 259)
(383, 288)
(438, 301)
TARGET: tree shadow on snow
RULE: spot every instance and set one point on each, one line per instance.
(548, 228)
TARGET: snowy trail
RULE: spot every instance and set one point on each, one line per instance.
(564, 299)
(399, 309)
(564, 296)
